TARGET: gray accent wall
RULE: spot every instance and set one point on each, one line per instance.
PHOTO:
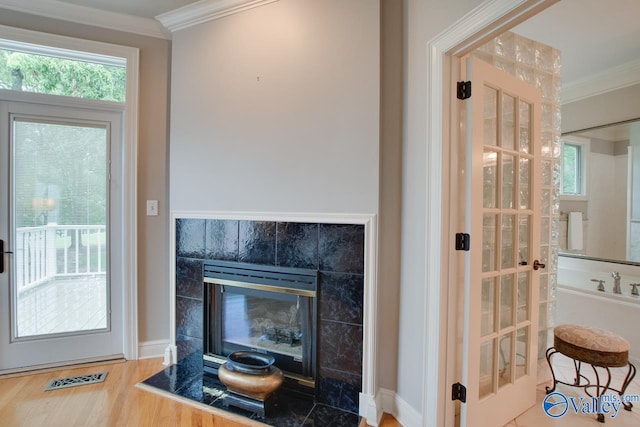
(276, 109)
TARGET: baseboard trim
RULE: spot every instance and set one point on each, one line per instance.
(152, 349)
(395, 405)
(387, 401)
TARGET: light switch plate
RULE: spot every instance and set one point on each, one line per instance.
(152, 208)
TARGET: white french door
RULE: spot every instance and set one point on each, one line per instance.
(59, 302)
(500, 326)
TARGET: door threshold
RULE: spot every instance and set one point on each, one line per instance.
(72, 364)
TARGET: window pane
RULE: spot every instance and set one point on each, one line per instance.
(523, 240)
(59, 76)
(489, 178)
(505, 360)
(506, 301)
(525, 126)
(488, 243)
(487, 324)
(490, 116)
(508, 182)
(508, 238)
(522, 352)
(487, 376)
(524, 183)
(571, 169)
(508, 122)
(60, 208)
(523, 296)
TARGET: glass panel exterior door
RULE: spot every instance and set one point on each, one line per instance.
(501, 290)
(60, 208)
(58, 304)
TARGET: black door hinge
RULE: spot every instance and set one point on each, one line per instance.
(459, 392)
(463, 242)
(464, 90)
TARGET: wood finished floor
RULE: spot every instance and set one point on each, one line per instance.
(115, 402)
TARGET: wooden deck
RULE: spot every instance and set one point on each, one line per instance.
(61, 305)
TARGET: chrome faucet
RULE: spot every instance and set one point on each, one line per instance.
(616, 282)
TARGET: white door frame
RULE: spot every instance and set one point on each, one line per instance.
(129, 250)
(488, 20)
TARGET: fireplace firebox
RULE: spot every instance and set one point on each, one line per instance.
(266, 309)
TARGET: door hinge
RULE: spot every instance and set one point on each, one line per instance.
(463, 241)
(459, 392)
(464, 90)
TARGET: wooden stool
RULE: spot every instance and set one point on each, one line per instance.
(596, 347)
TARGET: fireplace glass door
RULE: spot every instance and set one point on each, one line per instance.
(271, 324)
(277, 323)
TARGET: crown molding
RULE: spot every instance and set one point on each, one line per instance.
(205, 10)
(88, 16)
(612, 79)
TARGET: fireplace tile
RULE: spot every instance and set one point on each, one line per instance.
(340, 346)
(257, 242)
(323, 415)
(289, 411)
(175, 377)
(189, 277)
(342, 297)
(197, 391)
(340, 389)
(189, 346)
(297, 245)
(190, 234)
(341, 248)
(186, 379)
(222, 240)
(189, 317)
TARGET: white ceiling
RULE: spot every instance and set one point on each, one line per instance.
(592, 35)
(142, 8)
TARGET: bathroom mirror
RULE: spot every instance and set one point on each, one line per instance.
(609, 207)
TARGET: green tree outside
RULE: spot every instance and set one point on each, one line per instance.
(64, 163)
(57, 76)
(55, 161)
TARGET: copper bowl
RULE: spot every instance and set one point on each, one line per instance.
(257, 387)
(250, 362)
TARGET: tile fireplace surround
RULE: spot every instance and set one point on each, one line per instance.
(336, 251)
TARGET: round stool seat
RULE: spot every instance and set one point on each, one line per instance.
(591, 345)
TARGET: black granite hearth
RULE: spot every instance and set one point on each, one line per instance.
(185, 379)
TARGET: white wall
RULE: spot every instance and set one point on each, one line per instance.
(607, 206)
(277, 110)
(610, 107)
(423, 21)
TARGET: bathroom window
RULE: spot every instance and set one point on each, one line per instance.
(575, 167)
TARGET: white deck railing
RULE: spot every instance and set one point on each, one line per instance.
(49, 251)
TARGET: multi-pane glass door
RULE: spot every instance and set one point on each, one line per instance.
(501, 281)
(506, 234)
